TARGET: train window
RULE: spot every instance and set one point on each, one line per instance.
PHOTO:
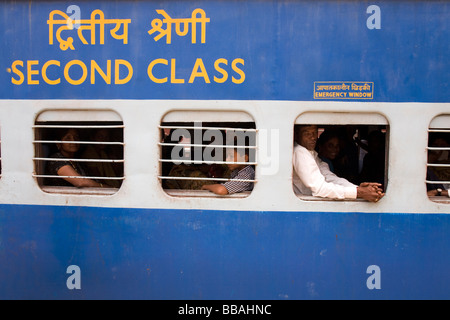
(352, 146)
(201, 157)
(0, 154)
(82, 154)
(438, 160)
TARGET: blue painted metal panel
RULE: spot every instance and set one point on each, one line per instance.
(285, 46)
(189, 254)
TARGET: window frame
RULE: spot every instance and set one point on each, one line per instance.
(340, 119)
(1, 167)
(214, 120)
(57, 119)
(439, 124)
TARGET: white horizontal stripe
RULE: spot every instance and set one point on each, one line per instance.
(55, 126)
(206, 161)
(205, 179)
(205, 145)
(78, 177)
(208, 128)
(80, 142)
(80, 160)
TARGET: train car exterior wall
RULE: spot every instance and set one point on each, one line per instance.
(273, 63)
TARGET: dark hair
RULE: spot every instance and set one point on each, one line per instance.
(433, 136)
(326, 136)
(59, 133)
(298, 127)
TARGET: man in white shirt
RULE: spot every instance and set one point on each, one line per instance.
(313, 177)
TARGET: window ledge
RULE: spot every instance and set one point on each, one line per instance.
(312, 198)
(441, 199)
(80, 191)
(203, 194)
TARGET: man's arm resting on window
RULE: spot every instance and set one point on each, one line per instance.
(216, 188)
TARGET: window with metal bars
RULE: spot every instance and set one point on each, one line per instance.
(197, 155)
(0, 155)
(81, 157)
(438, 162)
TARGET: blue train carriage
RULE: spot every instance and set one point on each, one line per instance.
(142, 71)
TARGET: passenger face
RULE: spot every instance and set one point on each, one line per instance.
(307, 137)
(330, 149)
(233, 156)
(101, 135)
(70, 148)
(433, 155)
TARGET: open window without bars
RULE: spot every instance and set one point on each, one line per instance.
(193, 154)
(354, 146)
(96, 154)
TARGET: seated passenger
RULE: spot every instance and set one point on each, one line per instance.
(346, 164)
(437, 174)
(101, 151)
(374, 161)
(313, 177)
(187, 171)
(439, 157)
(238, 171)
(200, 173)
(166, 152)
(68, 167)
(328, 147)
(435, 189)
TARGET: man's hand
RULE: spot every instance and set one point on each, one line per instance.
(370, 191)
